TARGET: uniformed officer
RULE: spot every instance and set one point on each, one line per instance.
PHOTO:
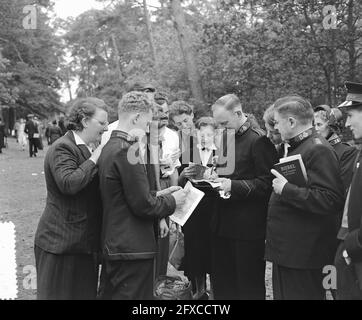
(348, 260)
(328, 122)
(238, 267)
(302, 220)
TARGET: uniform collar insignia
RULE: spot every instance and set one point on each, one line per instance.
(244, 128)
(300, 137)
(334, 139)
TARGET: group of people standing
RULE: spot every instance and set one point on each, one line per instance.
(112, 187)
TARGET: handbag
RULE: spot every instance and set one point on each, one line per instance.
(177, 248)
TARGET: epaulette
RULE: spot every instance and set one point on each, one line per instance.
(259, 131)
(318, 141)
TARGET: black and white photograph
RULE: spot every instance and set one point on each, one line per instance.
(197, 151)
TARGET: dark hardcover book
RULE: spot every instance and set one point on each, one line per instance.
(293, 169)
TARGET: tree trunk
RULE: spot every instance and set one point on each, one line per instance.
(149, 31)
(116, 56)
(187, 50)
(351, 44)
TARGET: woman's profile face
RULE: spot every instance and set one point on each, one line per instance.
(321, 125)
(97, 125)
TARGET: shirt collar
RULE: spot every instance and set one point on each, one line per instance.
(80, 141)
(212, 148)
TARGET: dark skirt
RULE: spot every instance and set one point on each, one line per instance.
(197, 240)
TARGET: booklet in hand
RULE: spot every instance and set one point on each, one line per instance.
(181, 215)
(293, 169)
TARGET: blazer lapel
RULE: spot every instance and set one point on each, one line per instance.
(85, 153)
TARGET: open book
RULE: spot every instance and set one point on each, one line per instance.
(180, 216)
(293, 169)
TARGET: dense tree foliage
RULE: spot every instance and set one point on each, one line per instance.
(195, 50)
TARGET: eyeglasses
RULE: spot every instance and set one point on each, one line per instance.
(102, 123)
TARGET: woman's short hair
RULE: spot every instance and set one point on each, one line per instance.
(84, 108)
(295, 106)
(205, 121)
(180, 107)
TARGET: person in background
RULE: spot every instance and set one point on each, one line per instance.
(67, 240)
(272, 133)
(238, 266)
(302, 220)
(182, 115)
(21, 134)
(2, 135)
(31, 129)
(130, 207)
(16, 130)
(328, 122)
(197, 259)
(348, 259)
(167, 152)
(54, 132)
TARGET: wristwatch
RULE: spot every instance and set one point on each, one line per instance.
(346, 257)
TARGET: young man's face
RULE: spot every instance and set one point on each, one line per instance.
(161, 115)
(354, 122)
(184, 121)
(284, 125)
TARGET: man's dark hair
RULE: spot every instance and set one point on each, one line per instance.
(54, 122)
(180, 107)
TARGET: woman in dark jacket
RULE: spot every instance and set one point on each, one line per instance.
(328, 122)
(67, 239)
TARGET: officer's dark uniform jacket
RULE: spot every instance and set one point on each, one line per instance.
(353, 240)
(243, 216)
(346, 155)
(303, 221)
(130, 207)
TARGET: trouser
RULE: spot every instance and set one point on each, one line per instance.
(65, 277)
(127, 280)
(347, 280)
(32, 147)
(238, 269)
(163, 244)
(297, 284)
